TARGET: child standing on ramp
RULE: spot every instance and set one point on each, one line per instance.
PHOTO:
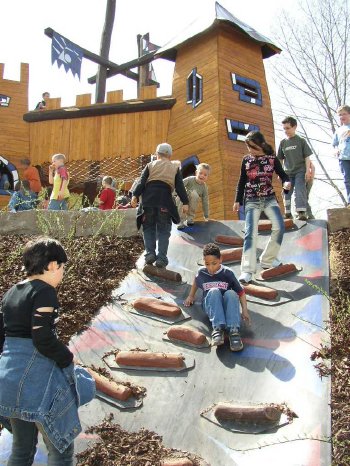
(59, 178)
(157, 208)
(256, 192)
(196, 188)
(222, 297)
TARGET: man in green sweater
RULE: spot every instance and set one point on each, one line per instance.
(196, 189)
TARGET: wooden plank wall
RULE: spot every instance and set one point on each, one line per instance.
(195, 131)
(14, 132)
(239, 54)
(97, 138)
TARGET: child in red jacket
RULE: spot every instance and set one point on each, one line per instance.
(107, 196)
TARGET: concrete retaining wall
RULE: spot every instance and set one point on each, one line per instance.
(338, 219)
(63, 223)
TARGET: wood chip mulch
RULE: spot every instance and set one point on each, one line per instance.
(334, 360)
(118, 447)
(94, 269)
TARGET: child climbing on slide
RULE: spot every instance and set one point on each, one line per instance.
(255, 191)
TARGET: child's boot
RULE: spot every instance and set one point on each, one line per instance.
(150, 258)
(235, 340)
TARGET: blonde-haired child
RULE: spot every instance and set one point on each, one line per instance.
(196, 188)
(59, 178)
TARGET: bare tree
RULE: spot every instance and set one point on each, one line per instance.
(313, 70)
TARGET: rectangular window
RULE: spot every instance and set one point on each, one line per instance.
(4, 100)
(237, 130)
(249, 90)
(194, 87)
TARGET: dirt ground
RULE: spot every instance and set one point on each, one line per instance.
(97, 265)
(339, 352)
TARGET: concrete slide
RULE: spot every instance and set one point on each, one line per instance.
(274, 366)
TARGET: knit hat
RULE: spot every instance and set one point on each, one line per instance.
(164, 149)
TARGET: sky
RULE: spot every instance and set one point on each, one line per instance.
(22, 39)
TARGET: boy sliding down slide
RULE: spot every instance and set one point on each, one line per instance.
(223, 296)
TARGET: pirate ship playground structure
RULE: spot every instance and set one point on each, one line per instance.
(219, 94)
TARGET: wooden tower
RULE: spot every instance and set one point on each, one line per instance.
(221, 94)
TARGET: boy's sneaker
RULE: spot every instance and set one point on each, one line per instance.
(150, 258)
(217, 337)
(160, 264)
(190, 223)
(288, 215)
(181, 226)
(302, 215)
(235, 340)
(245, 277)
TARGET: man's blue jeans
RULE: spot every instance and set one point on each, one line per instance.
(223, 310)
(253, 210)
(308, 189)
(156, 223)
(54, 204)
(345, 169)
(25, 439)
(298, 185)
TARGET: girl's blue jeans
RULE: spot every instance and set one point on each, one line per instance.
(253, 209)
(223, 310)
(25, 439)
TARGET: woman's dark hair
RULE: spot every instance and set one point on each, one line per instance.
(211, 249)
(258, 139)
(40, 252)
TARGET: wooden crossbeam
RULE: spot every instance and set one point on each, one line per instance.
(104, 62)
(121, 69)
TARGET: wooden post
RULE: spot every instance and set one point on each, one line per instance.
(104, 51)
(141, 69)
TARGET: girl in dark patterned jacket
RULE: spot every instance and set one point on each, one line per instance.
(256, 193)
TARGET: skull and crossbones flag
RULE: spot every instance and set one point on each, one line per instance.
(66, 53)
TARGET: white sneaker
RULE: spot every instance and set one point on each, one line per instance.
(245, 277)
(274, 263)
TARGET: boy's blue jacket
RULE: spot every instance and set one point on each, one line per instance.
(33, 388)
